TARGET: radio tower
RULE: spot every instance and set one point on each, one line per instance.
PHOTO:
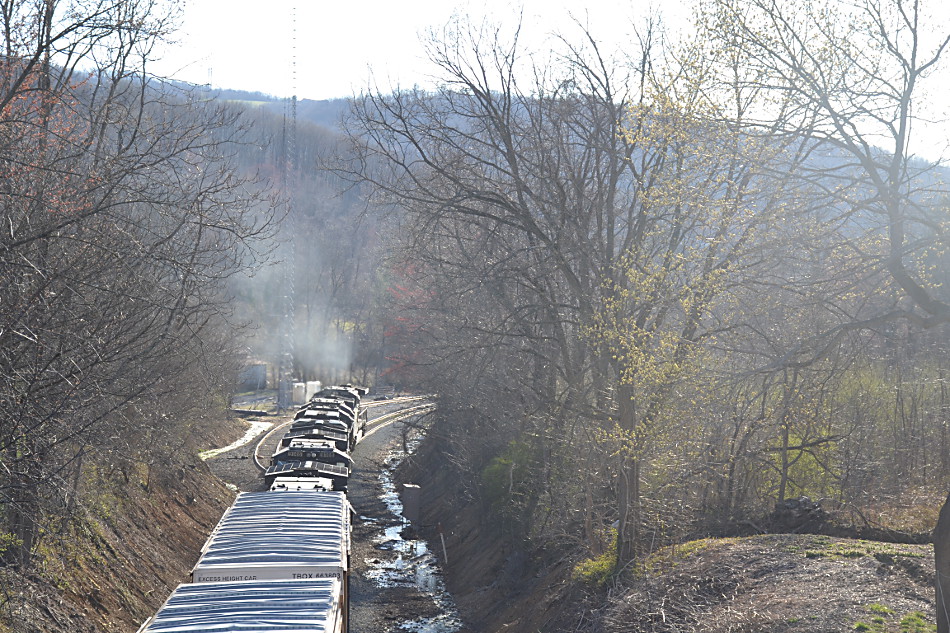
(289, 169)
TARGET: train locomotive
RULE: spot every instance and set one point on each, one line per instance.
(279, 560)
(319, 440)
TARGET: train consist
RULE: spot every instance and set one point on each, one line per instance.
(279, 560)
(318, 443)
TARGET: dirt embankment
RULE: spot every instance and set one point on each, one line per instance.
(138, 543)
(780, 582)
(115, 567)
(497, 584)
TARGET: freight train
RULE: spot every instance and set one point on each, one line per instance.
(279, 560)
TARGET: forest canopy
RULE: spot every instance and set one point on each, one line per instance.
(708, 279)
(123, 216)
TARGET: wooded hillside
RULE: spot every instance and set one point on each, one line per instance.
(655, 295)
(658, 297)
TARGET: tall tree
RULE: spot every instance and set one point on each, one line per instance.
(576, 235)
(852, 77)
(122, 215)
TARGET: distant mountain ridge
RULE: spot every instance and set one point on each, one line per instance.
(327, 112)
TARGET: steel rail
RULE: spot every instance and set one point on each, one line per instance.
(397, 400)
(385, 420)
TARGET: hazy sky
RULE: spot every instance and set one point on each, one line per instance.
(341, 46)
(246, 44)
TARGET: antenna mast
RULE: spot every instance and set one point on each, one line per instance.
(289, 334)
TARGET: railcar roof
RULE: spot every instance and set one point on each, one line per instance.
(292, 529)
(289, 468)
(315, 432)
(251, 607)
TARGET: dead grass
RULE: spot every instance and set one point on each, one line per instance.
(780, 583)
(915, 512)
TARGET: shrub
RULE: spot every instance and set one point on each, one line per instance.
(598, 569)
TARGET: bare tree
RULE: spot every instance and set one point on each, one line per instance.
(122, 215)
(851, 77)
(573, 240)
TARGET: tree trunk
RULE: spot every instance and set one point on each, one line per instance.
(787, 398)
(22, 508)
(942, 567)
(628, 487)
(628, 506)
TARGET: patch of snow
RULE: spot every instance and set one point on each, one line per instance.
(255, 428)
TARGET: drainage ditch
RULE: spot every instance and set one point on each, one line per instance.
(411, 563)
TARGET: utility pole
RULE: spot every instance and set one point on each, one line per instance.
(289, 169)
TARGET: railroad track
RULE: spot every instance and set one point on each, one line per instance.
(371, 426)
(384, 420)
(397, 400)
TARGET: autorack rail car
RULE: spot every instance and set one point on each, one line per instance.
(279, 560)
(290, 606)
(279, 536)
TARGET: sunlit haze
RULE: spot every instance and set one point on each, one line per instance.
(342, 47)
(326, 50)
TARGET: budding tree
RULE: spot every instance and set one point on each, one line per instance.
(850, 78)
